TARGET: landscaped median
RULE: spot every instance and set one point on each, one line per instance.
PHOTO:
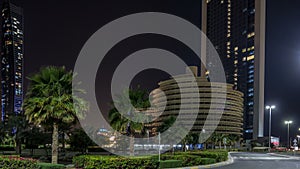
(17, 162)
(169, 160)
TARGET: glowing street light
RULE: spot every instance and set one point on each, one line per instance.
(270, 118)
(288, 135)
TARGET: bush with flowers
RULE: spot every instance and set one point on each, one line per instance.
(17, 162)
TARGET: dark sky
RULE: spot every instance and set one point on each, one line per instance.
(56, 30)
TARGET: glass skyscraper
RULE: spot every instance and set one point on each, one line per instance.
(12, 50)
(237, 30)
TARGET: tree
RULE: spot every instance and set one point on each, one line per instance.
(139, 99)
(49, 100)
(233, 139)
(80, 141)
(217, 138)
(165, 125)
(18, 127)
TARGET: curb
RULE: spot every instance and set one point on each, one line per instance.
(281, 155)
(220, 164)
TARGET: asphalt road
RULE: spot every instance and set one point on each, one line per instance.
(261, 161)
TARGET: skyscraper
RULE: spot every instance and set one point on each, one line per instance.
(12, 50)
(237, 30)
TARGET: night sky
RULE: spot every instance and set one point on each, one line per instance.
(56, 30)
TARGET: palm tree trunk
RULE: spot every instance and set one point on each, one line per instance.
(131, 146)
(63, 142)
(55, 144)
(18, 146)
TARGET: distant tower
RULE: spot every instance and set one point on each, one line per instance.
(12, 50)
(237, 30)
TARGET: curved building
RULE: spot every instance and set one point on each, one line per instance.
(218, 99)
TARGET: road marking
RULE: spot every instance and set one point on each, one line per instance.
(260, 158)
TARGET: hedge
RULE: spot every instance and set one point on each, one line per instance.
(189, 160)
(185, 159)
(108, 162)
(170, 164)
(50, 166)
(15, 162)
(219, 156)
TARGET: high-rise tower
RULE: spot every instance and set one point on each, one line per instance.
(12, 50)
(237, 30)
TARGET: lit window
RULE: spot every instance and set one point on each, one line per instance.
(251, 48)
(251, 35)
(250, 57)
(248, 131)
(244, 50)
(236, 48)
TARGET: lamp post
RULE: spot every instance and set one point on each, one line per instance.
(270, 120)
(288, 132)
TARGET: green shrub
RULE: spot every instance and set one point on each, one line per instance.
(50, 166)
(219, 156)
(170, 164)
(186, 159)
(14, 162)
(206, 161)
(108, 162)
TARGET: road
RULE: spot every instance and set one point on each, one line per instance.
(261, 161)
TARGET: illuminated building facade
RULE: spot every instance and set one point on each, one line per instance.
(183, 100)
(12, 50)
(237, 30)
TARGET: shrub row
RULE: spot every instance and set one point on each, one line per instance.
(167, 160)
(108, 162)
(219, 156)
(170, 164)
(14, 162)
(17, 162)
(50, 166)
(189, 160)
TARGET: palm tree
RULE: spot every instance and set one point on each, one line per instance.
(218, 139)
(233, 139)
(49, 100)
(125, 125)
(166, 124)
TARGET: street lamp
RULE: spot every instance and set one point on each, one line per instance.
(270, 118)
(288, 134)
